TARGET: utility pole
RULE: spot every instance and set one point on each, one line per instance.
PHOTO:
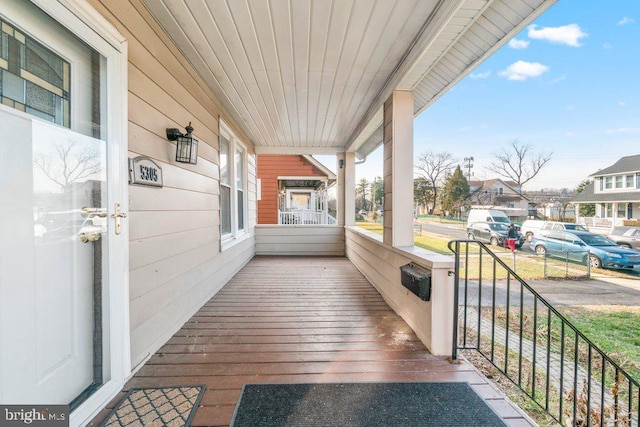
(468, 164)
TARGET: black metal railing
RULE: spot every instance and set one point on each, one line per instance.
(500, 316)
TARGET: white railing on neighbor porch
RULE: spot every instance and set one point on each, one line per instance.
(304, 217)
(600, 222)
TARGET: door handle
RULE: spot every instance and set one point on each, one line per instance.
(91, 212)
(117, 216)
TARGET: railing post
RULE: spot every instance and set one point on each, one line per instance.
(456, 282)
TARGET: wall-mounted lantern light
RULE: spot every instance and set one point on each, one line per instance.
(186, 144)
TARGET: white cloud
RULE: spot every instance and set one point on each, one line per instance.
(484, 75)
(623, 130)
(522, 70)
(558, 79)
(626, 20)
(570, 134)
(566, 34)
(607, 46)
(518, 44)
(571, 107)
(622, 104)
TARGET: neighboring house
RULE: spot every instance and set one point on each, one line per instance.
(502, 195)
(91, 90)
(615, 192)
(293, 190)
(557, 210)
(555, 205)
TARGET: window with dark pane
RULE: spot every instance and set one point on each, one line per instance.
(239, 175)
(33, 78)
(225, 186)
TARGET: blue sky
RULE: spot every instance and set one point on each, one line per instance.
(568, 84)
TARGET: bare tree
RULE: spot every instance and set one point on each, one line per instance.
(434, 168)
(519, 163)
(69, 163)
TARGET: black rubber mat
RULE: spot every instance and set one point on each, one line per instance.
(363, 404)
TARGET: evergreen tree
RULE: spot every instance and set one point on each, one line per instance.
(377, 193)
(362, 192)
(455, 192)
(586, 209)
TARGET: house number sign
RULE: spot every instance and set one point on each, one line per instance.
(144, 171)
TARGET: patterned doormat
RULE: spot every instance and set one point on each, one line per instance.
(162, 406)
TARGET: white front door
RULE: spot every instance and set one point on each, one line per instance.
(60, 177)
(52, 262)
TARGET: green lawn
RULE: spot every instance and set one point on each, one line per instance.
(612, 328)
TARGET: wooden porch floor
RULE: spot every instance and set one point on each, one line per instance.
(298, 319)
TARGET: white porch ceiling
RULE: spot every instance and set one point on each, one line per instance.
(310, 76)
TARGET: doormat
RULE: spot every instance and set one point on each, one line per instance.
(162, 406)
(363, 404)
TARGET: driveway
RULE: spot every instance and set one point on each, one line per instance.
(600, 291)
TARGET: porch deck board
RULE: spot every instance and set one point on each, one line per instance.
(298, 319)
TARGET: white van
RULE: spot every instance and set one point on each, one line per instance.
(488, 215)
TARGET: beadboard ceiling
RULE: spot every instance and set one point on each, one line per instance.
(310, 76)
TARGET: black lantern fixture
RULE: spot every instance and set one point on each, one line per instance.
(186, 144)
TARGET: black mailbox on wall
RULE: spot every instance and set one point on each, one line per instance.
(417, 279)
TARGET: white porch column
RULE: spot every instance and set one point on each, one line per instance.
(346, 190)
(398, 169)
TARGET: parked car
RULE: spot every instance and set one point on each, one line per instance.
(531, 227)
(494, 233)
(556, 225)
(575, 245)
(628, 237)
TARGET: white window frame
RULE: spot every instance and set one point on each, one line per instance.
(608, 182)
(237, 233)
(628, 181)
(619, 181)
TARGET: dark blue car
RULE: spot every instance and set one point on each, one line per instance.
(578, 245)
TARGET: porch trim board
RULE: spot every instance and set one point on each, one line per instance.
(318, 240)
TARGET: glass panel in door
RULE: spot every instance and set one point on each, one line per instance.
(54, 172)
